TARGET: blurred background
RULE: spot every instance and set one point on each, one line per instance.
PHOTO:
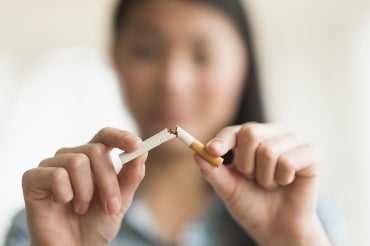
(57, 88)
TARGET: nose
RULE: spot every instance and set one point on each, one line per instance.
(178, 75)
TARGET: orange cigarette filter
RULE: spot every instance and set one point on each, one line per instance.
(198, 147)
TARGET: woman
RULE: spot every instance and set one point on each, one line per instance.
(186, 63)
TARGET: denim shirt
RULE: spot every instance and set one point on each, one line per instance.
(214, 227)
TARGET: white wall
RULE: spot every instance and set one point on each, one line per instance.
(315, 65)
(314, 59)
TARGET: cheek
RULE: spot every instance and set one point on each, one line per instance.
(224, 89)
(137, 84)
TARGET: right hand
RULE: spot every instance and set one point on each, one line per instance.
(76, 197)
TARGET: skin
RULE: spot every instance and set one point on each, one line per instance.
(187, 76)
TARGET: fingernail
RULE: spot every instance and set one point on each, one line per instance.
(83, 209)
(216, 145)
(113, 205)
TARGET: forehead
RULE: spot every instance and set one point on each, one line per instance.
(177, 18)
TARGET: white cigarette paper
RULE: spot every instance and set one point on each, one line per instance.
(147, 145)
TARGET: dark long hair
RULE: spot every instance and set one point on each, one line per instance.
(250, 108)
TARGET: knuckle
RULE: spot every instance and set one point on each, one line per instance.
(283, 166)
(78, 161)
(313, 158)
(285, 160)
(249, 133)
(104, 131)
(253, 123)
(228, 129)
(97, 149)
(44, 162)
(284, 173)
(26, 177)
(59, 176)
(267, 153)
(61, 151)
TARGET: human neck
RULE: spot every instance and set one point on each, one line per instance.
(174, 192)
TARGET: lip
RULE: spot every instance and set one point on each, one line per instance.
(171, 117)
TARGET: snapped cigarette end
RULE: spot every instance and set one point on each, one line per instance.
(166, 135)
(198, 147)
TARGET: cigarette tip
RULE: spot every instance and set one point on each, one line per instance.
(173, 131)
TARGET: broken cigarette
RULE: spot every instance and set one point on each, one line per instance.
(198, 147)
(150, 143)
(166, 135)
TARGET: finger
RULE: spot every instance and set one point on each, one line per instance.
(104, 174)
(249, 138)
(267, 155)
(301, 162)
(222, 179)
(129, 178)
(47, 182)
(244, 140)
(115, 138)
(223, 141)
(112, 138)
(79, 170)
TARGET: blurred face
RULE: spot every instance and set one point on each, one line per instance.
(180, 63)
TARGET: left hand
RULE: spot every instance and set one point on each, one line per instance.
(270, 189)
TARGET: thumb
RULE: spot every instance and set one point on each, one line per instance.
(129, 178)
(223, 179)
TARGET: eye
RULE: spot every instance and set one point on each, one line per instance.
(144, 52)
